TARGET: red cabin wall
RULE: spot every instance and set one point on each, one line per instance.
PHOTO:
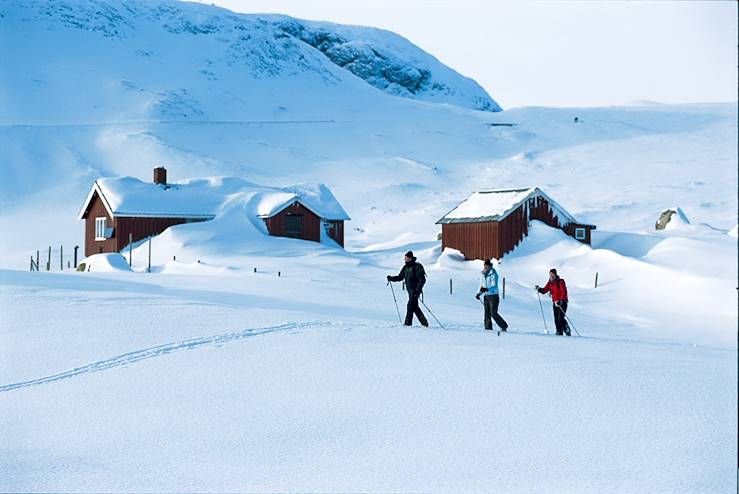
(97, 209)
(336, 231)
(474, 240)
(276, 225)
(570, 230)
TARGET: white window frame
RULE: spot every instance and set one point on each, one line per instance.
(100, 225)
(580, 233)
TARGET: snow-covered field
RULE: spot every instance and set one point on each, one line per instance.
(207, 376)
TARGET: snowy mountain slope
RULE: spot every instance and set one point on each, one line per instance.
(389, 62)
(112, 54)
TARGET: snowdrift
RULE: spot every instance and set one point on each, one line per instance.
(105, 263)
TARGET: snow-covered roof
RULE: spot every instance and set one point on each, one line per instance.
(203, 198)
(494, 205)
(316, 197)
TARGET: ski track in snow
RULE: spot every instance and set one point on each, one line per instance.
(157, 351)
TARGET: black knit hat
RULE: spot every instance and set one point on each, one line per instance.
(488, 262)
(553, 271)
(409, 254)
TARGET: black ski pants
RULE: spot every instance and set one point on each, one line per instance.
(559, 317)
(413, 308)
(491, 312)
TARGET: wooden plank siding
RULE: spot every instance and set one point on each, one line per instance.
(97, 209)
(277, 224)
(336, 231)
(474, 240)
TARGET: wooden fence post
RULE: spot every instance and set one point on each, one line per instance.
(61, 258)
(31, 262)
(76, 248)
(504, 287)
(148, 268)
(48, 261)
(37, 260)
(596, 279)
(450, 287)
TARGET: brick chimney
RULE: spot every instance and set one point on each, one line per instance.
(160, 175)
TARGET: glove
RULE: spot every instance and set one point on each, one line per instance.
(477, 296)
(483, 289)
(537, 287)
(388, 277)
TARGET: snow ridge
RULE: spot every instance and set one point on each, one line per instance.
(402, 74)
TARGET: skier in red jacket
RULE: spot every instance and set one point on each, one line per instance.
(558, 288)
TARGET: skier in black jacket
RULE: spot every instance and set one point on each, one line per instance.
(414, 276)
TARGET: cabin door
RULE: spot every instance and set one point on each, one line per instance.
(294, 225)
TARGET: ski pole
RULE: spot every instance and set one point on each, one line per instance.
(542, 312)
(432, 314)
(569, 321)
(396, 301)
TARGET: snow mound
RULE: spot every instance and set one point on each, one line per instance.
(106, 263)
(451, 259)
(634, 245)
(733, 232)
(542, 237)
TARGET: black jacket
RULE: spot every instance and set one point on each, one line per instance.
(414, 276)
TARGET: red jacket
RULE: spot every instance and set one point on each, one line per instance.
(558, 287)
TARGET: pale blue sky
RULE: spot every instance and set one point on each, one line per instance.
(557, 53)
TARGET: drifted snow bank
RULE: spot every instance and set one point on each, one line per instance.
(106, 263)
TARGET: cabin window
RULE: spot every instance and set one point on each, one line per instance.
(294, 225)
(580, 233)
(100, 228)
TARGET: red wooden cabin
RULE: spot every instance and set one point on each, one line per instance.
(489, 224)
(296, 220)
(121, 209)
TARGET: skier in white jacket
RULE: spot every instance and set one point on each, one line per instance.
(491, 299)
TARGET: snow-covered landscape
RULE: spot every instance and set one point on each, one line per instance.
(244, 362)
